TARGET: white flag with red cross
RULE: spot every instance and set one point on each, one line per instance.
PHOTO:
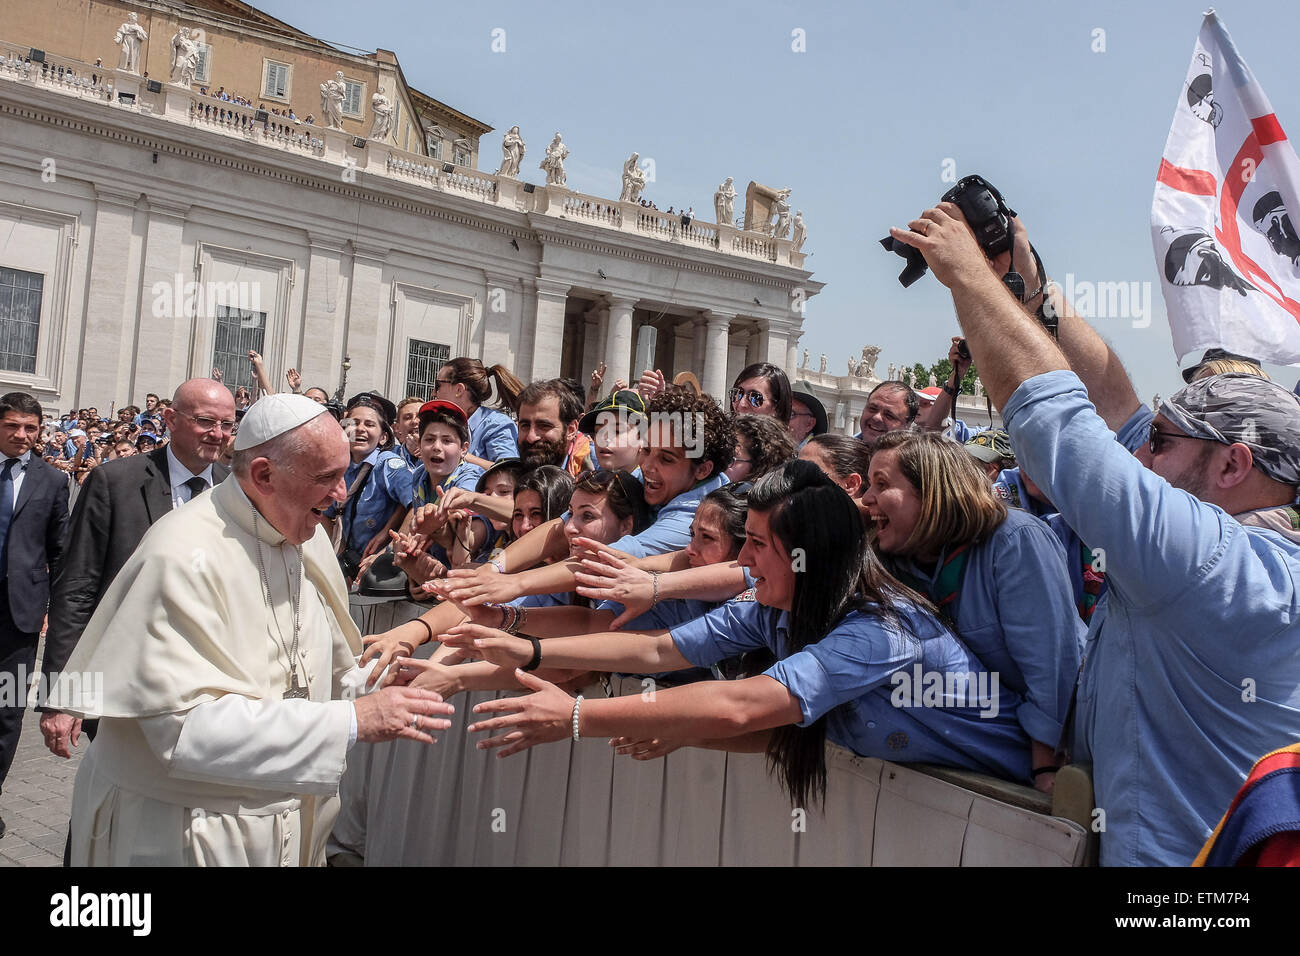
(1222, 222)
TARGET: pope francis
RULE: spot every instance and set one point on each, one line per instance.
(227, 655)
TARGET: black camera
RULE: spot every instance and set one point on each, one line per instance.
(989, 217)
(986, 212)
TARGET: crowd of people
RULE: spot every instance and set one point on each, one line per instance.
(1096, 583)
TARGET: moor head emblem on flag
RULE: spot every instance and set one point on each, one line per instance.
(1200, 97)
(1270, 218)
(1194, 259)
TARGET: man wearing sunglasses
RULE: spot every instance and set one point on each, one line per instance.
(1190, 669)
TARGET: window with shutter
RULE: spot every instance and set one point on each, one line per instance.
(277, 80)
(352, 99)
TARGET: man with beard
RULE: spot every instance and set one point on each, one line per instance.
(1190, 669)
(548, 428)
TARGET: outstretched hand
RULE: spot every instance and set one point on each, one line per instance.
(543, 716)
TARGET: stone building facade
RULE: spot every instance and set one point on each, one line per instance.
(150, 237)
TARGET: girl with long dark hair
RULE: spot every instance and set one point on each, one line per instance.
(841, 630)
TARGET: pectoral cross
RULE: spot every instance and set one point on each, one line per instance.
(295, 692)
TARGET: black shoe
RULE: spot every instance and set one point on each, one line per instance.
(2, 828)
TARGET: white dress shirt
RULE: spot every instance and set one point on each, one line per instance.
(178, 474)
(17, 473)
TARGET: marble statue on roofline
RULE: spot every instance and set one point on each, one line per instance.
(633, 179)
(129, 36)
(553, 163)
(724, 202)
(867, 367)
(853, 367)
(512, 153)
(382, 107)
(332, 93)
(822, 367)
(799, 233)
(781, 207)
(185, 58)
(805, 359)
(893, 372)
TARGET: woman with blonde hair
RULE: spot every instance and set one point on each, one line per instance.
(468, 383)
(998, 575)
(1224, 365)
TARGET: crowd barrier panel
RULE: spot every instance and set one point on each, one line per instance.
(567, 803)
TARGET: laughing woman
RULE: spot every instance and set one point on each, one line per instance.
(840, 629)
(999, 575)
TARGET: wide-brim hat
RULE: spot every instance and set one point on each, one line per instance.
(990, 445)
(376, 401)
(823, 424)
(383, 578)
(515, 465)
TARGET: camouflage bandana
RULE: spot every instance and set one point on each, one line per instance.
(1237, 407)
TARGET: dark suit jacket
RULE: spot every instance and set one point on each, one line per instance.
(35, 542)
(115, 507)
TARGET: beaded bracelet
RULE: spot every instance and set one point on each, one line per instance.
(654, 580)
(577, 706)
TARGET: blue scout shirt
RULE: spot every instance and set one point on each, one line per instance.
(492, 435)
(1190, 669)
(849, 675)
(463, 475)
(667, 614)
(1015, 611)
(387, 489)
(671, 530)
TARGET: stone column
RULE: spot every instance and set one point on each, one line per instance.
(368, 322)
(164, 339)
(792, 355)
(548, 326)
(323, 334)
(618, 341)
(683, 349)
(111, 296)
(772, 344)
(717, 333)
(500, 305)
(701, 343)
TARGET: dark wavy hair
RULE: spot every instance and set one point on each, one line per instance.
(812, 517)
(571, 405)
(733, 507)
(710, 422)
(770, 443)
(846, 456)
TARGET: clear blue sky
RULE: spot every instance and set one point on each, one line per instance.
(858, 126)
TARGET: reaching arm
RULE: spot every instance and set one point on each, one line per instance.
(634, 652)
(708, 709)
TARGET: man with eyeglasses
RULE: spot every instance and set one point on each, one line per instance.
(115, 507)
(1190, 668)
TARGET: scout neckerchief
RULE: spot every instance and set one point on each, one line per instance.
(423, 496)
(1093, 582)
(946, 586)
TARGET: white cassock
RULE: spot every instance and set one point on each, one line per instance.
(198, 760)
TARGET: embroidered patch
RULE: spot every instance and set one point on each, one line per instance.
(745, 596)
(395, 463)
(897, 740)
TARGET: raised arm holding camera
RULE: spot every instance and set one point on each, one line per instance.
(1171, 712)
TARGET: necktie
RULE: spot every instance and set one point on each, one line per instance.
(6, 509)
(197, 486)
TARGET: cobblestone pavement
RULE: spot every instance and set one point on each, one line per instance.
(37, 800)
